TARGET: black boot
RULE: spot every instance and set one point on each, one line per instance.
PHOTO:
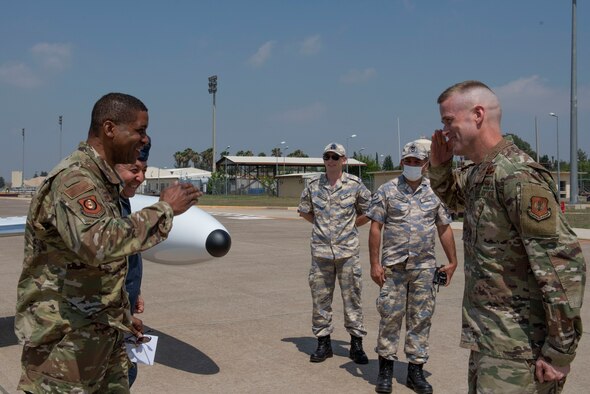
(385, 375)
(323, 351)
(416, 380)
(357, 354)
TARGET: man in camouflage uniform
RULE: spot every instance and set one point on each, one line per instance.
(335, 203)
(412, 214)
(524, 269)
(72, 310)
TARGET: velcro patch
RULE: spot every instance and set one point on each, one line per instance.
(539, 208)
(538, 212)
(78, 189)
(90, 206)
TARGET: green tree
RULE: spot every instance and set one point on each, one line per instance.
(244, 153)
(262, 154)
(44, 173)
(269, 184)
(372, 165)
(276, 152)
(2, 183)
(297, 153)
(206, 162)
(522, 144)
(387, 163)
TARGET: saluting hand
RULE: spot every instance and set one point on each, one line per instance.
(440, 150)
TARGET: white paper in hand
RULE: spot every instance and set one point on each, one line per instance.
(144, 353)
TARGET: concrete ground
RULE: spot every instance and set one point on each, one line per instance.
(241, 324)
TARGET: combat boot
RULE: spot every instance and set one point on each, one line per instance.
(357, 354)
(385, 375)
(416, 380)
(323, 351)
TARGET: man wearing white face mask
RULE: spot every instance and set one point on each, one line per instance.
(411, 214)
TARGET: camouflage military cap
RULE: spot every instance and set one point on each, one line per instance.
(336, 148)
(415, 149)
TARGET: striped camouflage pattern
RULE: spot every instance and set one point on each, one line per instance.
(406, 293)
(410, 220)
(524, 268)
(76, 245)
(334, 234)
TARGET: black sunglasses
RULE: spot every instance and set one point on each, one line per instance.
(332, 156)
(138, 341)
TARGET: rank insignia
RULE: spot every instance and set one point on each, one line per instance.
(90, 206)
(539, 208)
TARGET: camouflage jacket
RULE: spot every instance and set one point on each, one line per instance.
(410, 219)
(335, 209)
(76, 245)
(524, 268)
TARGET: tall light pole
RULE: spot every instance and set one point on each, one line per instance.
(60, 120)
(360, 150)
(347, 152)
(277, 155)
(399, 143)
(213, 90)
(574, 116)
(226, 174)
(285, 158)
(558, 170)
(22, 182)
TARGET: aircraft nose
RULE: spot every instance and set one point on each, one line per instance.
(218, 243)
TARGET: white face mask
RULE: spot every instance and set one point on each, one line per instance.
(412, 173)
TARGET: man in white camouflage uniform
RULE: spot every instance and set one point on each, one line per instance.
(335, 203)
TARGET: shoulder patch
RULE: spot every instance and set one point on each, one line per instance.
(77, 189)
(539, 211)
(539, 208)
(90, 206)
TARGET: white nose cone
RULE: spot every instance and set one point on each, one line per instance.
(195, 237)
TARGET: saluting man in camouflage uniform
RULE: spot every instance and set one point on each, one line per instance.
(72, 309)
(524, 269)
(335, 203)
(412, 214)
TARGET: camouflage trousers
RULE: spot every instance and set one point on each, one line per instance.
(88, 360)
(497, 375)
(408, 293)
(322, 281)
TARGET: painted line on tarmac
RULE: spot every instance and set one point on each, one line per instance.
(240, 216)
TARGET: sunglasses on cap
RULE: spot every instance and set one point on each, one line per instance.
(333, 156)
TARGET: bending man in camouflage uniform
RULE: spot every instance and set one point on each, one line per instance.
(411, 214)
(335, 203)
(524, 269)
(72, 310)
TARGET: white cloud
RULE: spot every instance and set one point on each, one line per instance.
(531, 95)
(19, 75)
(262, 55)
(356, 76)
(53, 56)
(311, 45)
(301, 115)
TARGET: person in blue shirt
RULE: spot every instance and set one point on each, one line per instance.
(133, 176)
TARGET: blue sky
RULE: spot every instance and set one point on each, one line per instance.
(304, 72)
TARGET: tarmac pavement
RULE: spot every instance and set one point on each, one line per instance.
(242, 323)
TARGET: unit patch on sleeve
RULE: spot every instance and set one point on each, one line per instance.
(90, 206)
(539, 211)
(539, 208)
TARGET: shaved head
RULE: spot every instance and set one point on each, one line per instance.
(469, 94)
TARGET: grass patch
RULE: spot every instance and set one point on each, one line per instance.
(252, 201)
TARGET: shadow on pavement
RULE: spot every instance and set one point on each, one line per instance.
(368, 372)
(171, 352)
(180, 355)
